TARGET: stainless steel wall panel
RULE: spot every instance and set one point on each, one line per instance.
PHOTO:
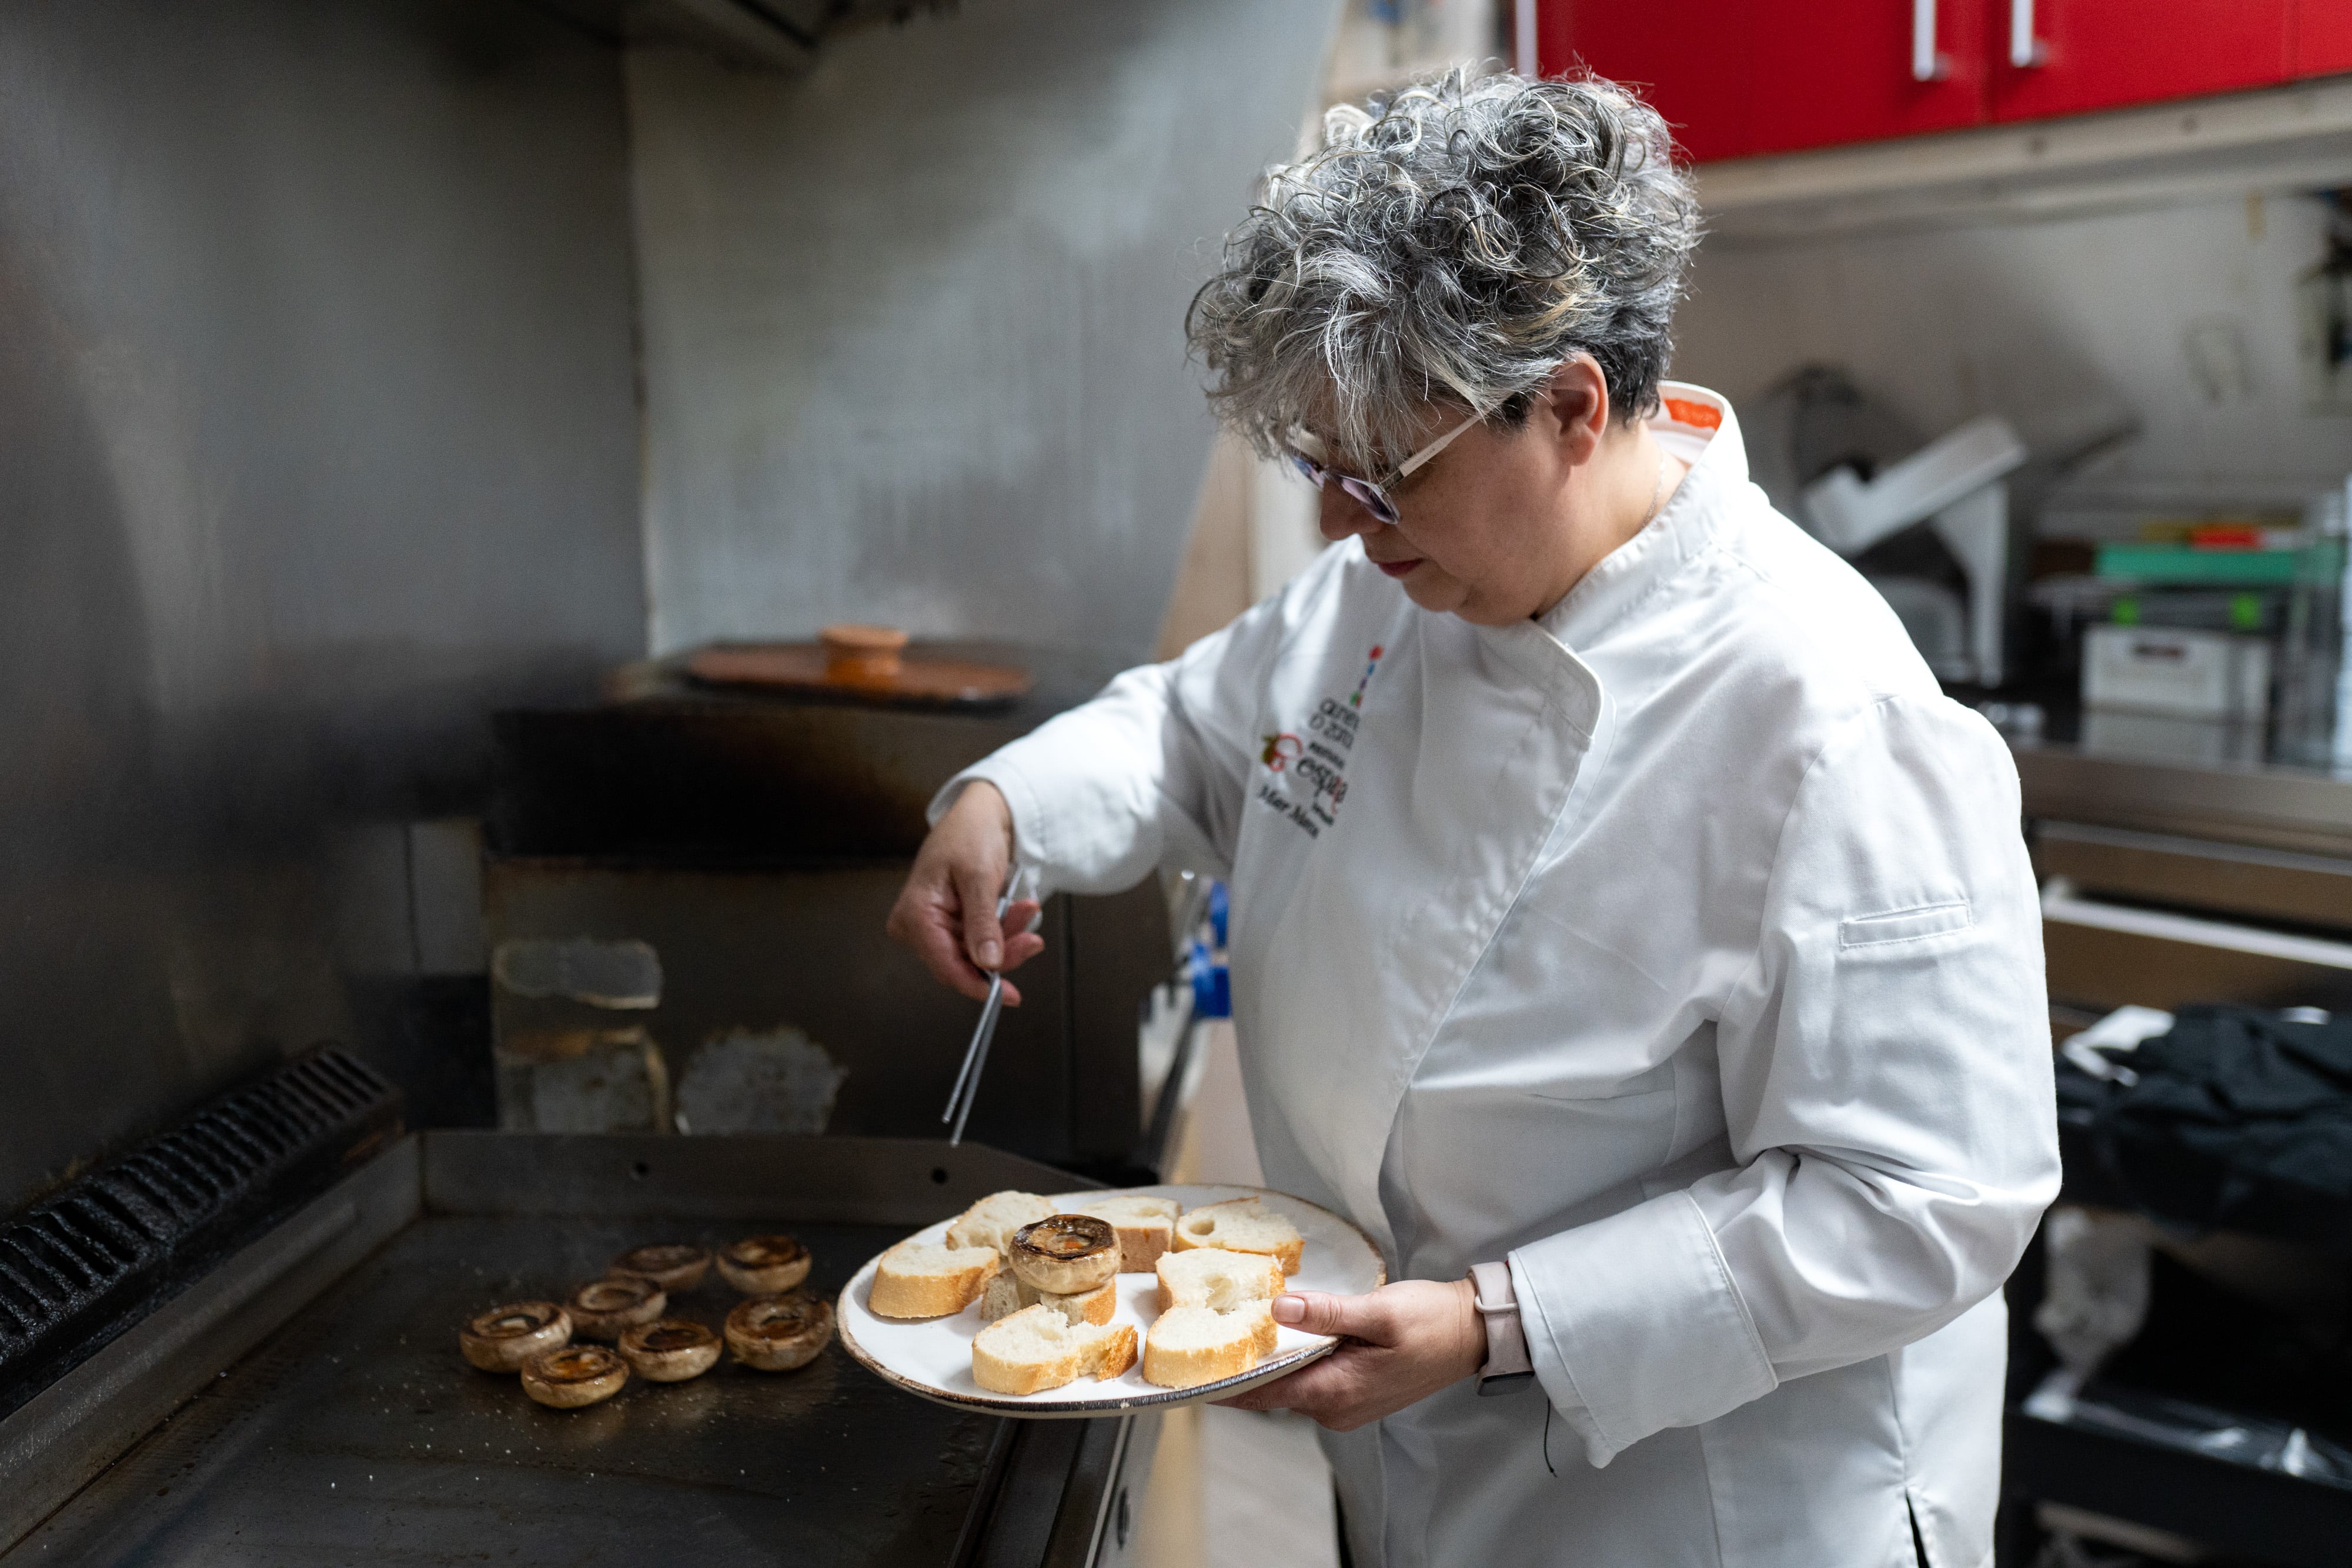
(316, 370)
(914, 322)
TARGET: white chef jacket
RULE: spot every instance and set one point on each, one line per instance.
(1681, 948)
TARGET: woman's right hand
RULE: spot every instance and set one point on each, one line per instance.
(947, 911)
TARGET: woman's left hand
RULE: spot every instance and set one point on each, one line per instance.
(1399, 1345)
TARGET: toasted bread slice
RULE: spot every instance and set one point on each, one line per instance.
(991, 1222)
(1146, 1227)
(1192, 1345)
(1008, 1292)
(924, 1279)
(1213, 1278)
(1241, 1225)
(1261, 1326)
(1037, 1348)
(1109, 1351)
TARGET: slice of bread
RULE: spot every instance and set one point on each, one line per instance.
(1241, 1225)
(991, 1222)
(924, 1279)
(1109, 1350)
(1213, 1278)
(1008, 1292)
(1037, 1348)
(1146, 1226)
(1192, 1345)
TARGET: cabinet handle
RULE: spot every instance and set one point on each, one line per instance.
(2025, 50)
(1927, 65)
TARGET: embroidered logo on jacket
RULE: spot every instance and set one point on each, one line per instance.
(1320, 762)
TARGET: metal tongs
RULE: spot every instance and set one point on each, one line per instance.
(975, 1055)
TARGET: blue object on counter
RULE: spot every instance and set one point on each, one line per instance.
(1212, 986)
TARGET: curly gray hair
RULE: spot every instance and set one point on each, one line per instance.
(1457, 245)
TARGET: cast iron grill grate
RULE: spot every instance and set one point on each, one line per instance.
(80, 1268)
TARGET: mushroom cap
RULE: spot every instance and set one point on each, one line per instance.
(673, 1265)
(1065, 1253)
(776, 1333)
(574, 1376)
(765, 1251)
(669, 1351)
(1066, 1236)
(765, 1265)
(503, 1338)
(601, 1309)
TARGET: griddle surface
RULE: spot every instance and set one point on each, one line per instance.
(358, 1435)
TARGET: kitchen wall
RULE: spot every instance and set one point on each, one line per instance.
(2184, 316)
(913, 325)
(317, 440)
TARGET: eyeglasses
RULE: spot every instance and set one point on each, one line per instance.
(1373, 495)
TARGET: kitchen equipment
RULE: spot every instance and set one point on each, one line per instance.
(124, 1241)
(932, 1358)
(1954, 484)
(868, 664)
(337, 1421)
(2315, 696)
(2177, 673)
(756, 839)
(975, 1055)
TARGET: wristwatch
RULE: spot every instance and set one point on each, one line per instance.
(1508, 1367)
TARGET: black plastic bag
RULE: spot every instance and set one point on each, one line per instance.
(2241, 1119)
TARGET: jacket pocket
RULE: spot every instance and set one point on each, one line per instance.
(1906, 925)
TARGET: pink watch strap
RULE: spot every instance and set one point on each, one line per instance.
(1506, 1342)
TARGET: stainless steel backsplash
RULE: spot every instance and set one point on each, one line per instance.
(318, 440)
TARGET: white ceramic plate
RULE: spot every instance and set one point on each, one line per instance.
(932, 1356)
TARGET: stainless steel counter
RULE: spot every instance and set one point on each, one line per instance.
(2169, 881)
(2294, 809)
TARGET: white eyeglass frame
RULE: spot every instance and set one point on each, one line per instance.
(1372, 495)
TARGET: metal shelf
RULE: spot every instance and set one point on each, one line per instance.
(2281, 139)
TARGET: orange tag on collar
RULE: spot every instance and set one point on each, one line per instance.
(1698, 415)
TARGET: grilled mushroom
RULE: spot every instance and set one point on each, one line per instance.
(674, 1266)
(670, 1351)
(776, 1333)
(603, 1307)
(503, 1338)
(574, 1376)
(1065, 1253)
(765, 1265)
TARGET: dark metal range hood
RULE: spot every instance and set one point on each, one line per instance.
(768, 34)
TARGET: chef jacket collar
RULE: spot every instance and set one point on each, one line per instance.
(1698, 426)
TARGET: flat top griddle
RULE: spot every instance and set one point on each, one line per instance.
(355, 1433)
(358, 1435)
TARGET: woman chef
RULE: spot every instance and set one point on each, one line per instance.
(1622, 917)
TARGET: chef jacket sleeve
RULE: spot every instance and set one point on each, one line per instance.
(1155, 768)
(1886, 1086)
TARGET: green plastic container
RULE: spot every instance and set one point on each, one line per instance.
(2178, 563)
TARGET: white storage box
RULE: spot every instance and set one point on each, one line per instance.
(2185, 674)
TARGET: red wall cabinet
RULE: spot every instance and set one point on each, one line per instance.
(2323, 38)
(2082, 55)
(1690, 60)
(1856, 70)
(1772, 76)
